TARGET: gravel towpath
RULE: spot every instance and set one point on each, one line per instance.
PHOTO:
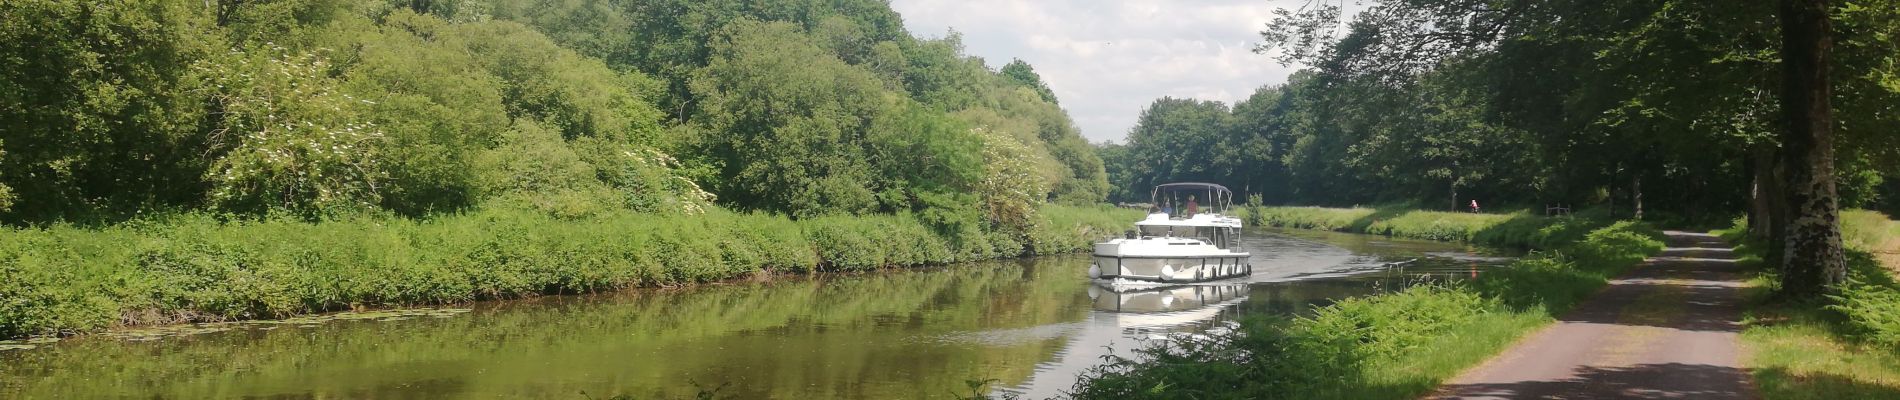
(1666, 330)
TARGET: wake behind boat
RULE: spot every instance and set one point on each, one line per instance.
(1181, 241)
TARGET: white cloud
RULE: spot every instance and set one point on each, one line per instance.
(1106, 60)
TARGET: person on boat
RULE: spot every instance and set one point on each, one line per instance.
(1192, 207)
(1167, 207)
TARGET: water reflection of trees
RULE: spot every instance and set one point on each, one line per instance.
(828, 337)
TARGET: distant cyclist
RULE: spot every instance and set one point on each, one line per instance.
(1474, 205)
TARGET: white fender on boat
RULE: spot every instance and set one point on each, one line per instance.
(1167, 273)
(1095, 271)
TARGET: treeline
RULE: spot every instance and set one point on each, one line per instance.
(1703, 109)
(321, 109)
(1667, 106)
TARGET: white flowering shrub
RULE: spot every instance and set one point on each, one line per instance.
(648, 179)
(1011, 188)
(292, 143)
(6, 194)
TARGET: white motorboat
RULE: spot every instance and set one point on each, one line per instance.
(1182, 240)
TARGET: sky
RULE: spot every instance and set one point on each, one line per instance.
(1106, 60)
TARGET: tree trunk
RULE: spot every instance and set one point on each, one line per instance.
(1636, 194)
(1454, 195)
(1813, 259)
(1780, 212)
(1766, 214)
(1611, 188)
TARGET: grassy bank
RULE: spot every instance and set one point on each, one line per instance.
(1517, 229)
(1844, 347)
(66, 280)
(1396, 345)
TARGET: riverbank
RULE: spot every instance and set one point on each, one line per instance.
(1520, 230)
(1843, 347)
(1397, 345)
(65, 280)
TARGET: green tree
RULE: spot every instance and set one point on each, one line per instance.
(1580, 76)
(1118, 167)
(1172, 141)
(1021, 73)
(1010, 192)
(786, 122)
(930, 163)
(100, 107)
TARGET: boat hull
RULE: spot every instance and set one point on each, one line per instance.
(1171, 268)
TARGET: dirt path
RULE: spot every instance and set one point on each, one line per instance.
(1664, 331)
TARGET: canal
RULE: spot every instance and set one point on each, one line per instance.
(1031, 325)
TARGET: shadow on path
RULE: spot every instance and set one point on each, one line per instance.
(1644, 381)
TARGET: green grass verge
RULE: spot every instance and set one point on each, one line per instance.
(1396, 345)
(64, 280)
(1846, 346)
(1516, 229)
(1800, 351)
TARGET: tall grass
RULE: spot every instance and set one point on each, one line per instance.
(65, 280)
(1867, 306)
(1395, 345)
(1870, 300)
(1874, 233)
(1845, 346)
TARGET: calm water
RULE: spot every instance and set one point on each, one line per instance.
(1031, 324)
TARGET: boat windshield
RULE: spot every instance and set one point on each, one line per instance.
(1184, 200)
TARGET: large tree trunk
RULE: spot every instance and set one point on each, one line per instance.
(1813, 258)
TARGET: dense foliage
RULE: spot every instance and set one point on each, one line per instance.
(183, 161)
(323, 109)
(1783, 110)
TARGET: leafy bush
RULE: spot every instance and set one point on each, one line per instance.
(63, 279)
(1382, 327)
(1256, 361)
(1871, 310)
(1320, 353)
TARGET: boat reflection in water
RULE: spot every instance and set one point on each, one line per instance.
(1190, 300)
(1125, 319)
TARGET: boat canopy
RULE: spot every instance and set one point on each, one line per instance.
(1210, 198)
